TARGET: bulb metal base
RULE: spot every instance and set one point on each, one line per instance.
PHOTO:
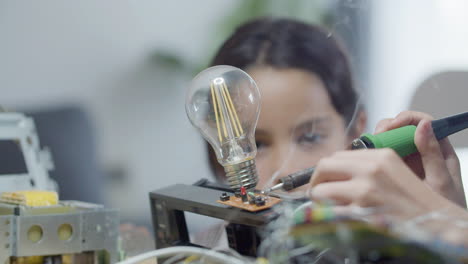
(242, 174)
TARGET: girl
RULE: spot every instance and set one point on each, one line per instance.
(310, 110)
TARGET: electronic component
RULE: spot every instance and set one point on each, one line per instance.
(253, 204)
(223, 102)
(68, 230)
(260, 201)
(224, 197)
(243, 193)
(35, 227)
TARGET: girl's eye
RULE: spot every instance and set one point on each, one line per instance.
(260, 144)
(310, 138)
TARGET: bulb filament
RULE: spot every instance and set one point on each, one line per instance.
(225, 112)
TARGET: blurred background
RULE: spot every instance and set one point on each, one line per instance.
(106, 80)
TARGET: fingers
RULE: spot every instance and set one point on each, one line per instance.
(413, 118)
(447, 148)
(344, 165)
(453, 166)
(338, 192)
(333, 168)
(408, 118)
(372, 178)
(440, 163)
(403, 119)
(352, 192)
(436, 172)
(382, 126)
(352, 176)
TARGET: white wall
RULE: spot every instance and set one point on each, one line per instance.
(410, 40)
(95, 53)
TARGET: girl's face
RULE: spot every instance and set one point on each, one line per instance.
(298, 124)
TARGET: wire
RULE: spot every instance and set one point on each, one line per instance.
(302, 206)
(181, 250)
(231, 252)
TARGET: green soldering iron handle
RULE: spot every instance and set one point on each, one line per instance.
(400, 139)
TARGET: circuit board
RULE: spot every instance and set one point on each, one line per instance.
(237, 202)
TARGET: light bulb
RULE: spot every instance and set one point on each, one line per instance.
(223, 102)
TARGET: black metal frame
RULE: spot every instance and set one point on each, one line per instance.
(168, 205)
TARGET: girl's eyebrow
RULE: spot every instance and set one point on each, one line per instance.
(312, 122)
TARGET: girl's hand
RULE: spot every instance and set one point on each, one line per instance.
(374, 178)
(436, 163)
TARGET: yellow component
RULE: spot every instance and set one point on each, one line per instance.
(30, 260)
(30, 198)
(319, 214)
(262, 261)
(67, 259)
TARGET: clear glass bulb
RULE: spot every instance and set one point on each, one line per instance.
(223, 102)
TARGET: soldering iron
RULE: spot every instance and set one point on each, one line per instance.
(400, 139)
